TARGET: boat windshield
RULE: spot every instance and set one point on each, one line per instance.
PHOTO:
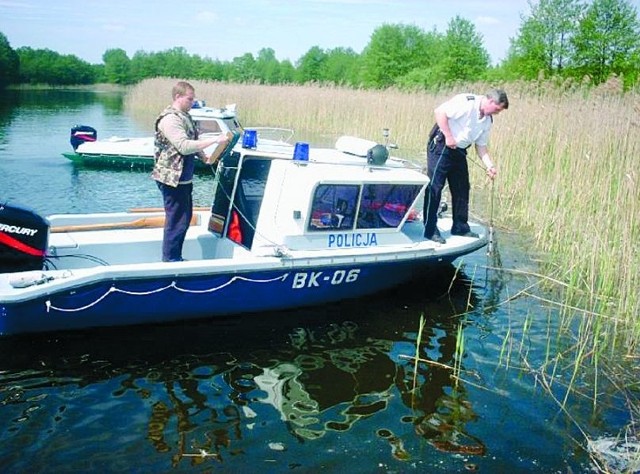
(208, 126)
(369, 206)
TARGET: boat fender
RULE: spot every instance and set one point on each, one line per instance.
(354, 145)
(31, 279)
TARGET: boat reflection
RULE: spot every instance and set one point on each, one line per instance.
(212, 389)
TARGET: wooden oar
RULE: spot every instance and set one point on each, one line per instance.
(143, 223)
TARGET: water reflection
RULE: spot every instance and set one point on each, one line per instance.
(212, 390)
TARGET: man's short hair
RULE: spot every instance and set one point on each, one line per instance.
(499, 96)
(181, 88)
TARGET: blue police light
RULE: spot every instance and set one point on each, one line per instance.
(301, 152)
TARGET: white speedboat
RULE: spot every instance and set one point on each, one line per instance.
(289, 226)
(136, 153)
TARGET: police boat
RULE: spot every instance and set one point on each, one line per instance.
(290, 225)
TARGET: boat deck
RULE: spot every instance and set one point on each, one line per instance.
(135, 239)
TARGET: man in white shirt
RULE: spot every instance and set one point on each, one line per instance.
(462, 121)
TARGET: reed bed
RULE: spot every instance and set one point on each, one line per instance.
(309, 110)
(569, 179)
(568, 176)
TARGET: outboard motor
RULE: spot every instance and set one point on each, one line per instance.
(81, 134)
(24, 236)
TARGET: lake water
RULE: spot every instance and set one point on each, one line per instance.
(331, 388)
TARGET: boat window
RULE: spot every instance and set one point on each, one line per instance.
(208, 126)
(233, 124)
(248, 200)
(236, 207)
(385, 205)
(222, 191)
(333, 207)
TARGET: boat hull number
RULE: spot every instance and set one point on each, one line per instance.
(317, 279)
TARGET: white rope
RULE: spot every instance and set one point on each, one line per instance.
(173, 285)
(233, 280)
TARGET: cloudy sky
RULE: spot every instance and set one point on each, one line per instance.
(224, 30)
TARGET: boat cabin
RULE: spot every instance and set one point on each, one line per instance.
(212, 120)
(267, 198)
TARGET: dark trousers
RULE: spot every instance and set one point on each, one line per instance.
(178, 208)
(446, 164)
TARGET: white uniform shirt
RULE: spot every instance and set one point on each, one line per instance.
(463, 112)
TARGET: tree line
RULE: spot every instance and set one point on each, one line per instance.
(566, 39)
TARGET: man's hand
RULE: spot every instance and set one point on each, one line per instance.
(450, 141)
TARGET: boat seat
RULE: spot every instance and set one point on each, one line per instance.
(126, 246)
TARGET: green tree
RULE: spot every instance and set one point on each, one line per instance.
(243, 68)
(392, 52)
(607, 41)
(342, 66)
(176, 62)
(311, 66)
(267, 67)
(212, 70)
(142, 66)
(99, 77)
(420, 78)
(430, 73)
(543, 43)
(466, 58)
(287, 72)
(117, 66)
(43, 66)
(9, 63)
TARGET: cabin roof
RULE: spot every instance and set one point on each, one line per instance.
(341, 165)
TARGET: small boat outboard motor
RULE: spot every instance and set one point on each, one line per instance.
(81, 134)
(24, 236)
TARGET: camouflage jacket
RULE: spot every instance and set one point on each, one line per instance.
(168, 161)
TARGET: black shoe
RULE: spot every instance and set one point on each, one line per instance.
(437, 238)
(467, 234)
